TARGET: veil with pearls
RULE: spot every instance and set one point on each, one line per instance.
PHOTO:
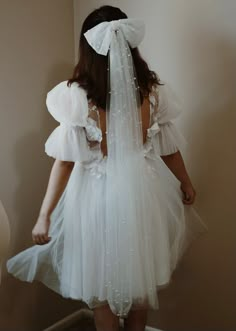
(126, 189)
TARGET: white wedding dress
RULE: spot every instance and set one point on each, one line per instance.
(76, 261)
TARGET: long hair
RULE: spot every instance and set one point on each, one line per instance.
(91, 71)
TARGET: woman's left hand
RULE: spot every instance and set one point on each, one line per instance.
(189, 193)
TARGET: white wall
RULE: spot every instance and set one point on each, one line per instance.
(192, 45)
(37, 51)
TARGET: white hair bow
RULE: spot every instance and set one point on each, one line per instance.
(99, 37)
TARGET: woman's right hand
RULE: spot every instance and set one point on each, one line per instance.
(59, 177)
(40, 230)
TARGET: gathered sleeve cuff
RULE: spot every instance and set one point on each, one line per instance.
(67, 143)
(169, 140)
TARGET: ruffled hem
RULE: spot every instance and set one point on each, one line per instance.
(169, 140)
(165, 139)
(68, 143)
(77, 260)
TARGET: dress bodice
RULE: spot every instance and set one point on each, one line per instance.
(79, 136)
(94, 131)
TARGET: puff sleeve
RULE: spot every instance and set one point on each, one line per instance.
(168, 139)
(68, 105)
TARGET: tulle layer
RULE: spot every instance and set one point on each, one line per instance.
(69, 143)
(80, 262)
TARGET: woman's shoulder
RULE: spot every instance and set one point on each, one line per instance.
(68, 103)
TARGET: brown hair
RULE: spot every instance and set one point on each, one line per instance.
(91, 71)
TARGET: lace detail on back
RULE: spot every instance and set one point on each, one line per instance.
(93, 113)
(93, 128)
(154, 103)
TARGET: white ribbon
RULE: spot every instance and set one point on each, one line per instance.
(100, 36)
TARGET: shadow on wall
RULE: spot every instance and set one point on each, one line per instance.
(214, 136)
(25, 304)
(213, 162)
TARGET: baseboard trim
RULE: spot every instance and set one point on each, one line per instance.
(70, 319)
(75, 317)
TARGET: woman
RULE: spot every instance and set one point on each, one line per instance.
(115, 219)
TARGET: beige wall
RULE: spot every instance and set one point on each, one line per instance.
(192, 44)
(36, 51)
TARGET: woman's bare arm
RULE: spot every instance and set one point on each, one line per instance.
(176, 164)
(58, 179)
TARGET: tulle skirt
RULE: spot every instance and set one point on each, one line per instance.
(81, 261)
